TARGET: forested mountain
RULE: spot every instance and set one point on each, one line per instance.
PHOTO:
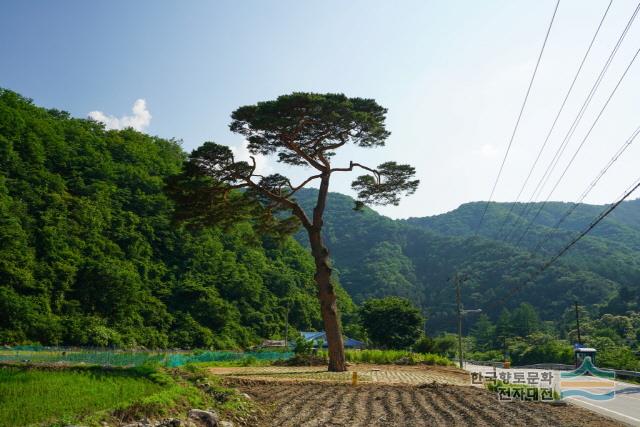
(378, 256)
(90, 255)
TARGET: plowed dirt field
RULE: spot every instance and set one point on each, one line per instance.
(324, 404)
(390, 396)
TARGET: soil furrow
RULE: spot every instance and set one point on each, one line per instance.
(428, 411)
(433, 398)
(410, 408)
(314, 404)
(323, 403)
(482, 413)
(344, 413)
(287, 410)
(399, 413)
(463, 413)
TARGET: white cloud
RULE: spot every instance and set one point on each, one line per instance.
(140, 119)
(242, 153)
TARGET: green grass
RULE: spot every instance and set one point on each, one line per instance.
(90, 357)
(29, 396)
(387, 357)
(89, 395)
(245, 361)
(228, 402)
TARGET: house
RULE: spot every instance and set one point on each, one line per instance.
(273, 344)
(322, 337)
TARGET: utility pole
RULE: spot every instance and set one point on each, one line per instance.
(286, 328)
(505, 351)
(578, 322)
(456, 279)
(461, 312)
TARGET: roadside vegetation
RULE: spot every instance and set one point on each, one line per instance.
(525, 339)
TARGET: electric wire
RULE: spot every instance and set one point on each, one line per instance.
(515, 128)
(630, 190)
(560, 151)
(575, 154)
(555, 121)
(589, 188)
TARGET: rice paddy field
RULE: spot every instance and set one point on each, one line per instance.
(32, 396)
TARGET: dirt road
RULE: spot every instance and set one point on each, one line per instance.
(325, 404)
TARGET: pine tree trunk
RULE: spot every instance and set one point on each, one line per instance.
(328, 303)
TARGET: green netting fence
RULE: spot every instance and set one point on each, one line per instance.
(111, 357)
(180, 359)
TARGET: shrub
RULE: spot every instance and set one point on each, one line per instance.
(388, 357)
(424, 345)
(303, 346)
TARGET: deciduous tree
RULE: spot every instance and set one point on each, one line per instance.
(392, 322)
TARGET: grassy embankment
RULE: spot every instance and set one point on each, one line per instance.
(90, 395)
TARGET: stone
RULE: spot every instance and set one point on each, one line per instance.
(170, 422)
(209, 418)
(225, 424)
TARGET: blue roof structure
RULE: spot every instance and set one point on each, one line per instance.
(322, 336)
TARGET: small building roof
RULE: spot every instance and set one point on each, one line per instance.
(322, 336)
(585, 350)
(314, 335)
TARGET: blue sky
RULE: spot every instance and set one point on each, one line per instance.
(451, 73)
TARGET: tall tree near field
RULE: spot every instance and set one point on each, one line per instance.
(305, 129)
(392, 322)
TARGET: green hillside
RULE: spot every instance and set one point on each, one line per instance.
(89, 253)
(377, 256)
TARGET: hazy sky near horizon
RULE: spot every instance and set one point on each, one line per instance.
(453, 75)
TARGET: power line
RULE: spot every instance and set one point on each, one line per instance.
(515, 128)
(630, 190)
(590, 187)
(560, 151)
(575, 154)
(555, 121)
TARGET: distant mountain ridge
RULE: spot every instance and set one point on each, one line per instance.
(624, 220)
(375, 256)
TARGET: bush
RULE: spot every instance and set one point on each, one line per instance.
(444, 345)
(540, 348)
(485, 356)
(304, 360)
(424, 345)
(303, 346)
(388, 357)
